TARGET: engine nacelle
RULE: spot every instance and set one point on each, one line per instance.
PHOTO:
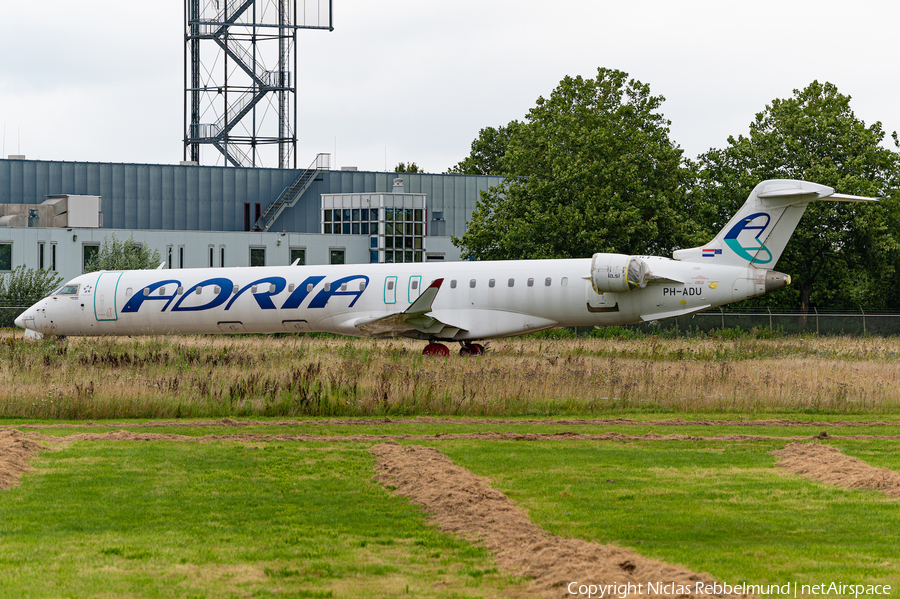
(617, 273)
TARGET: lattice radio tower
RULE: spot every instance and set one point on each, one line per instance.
(240, 64)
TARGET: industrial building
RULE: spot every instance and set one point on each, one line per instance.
(239, 56)
(210, 216)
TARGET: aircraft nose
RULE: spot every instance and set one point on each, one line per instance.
(20, 321)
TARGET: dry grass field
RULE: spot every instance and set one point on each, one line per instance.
(218, 376)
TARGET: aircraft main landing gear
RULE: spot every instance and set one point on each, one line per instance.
(471, 349)
(436, 349)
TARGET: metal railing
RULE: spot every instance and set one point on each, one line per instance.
(791, 321)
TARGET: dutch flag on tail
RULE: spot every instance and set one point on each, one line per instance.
(711, 253)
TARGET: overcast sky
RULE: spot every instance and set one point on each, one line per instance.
(415, 80)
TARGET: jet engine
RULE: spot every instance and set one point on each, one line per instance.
(617, 273)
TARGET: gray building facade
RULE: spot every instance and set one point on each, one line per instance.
(201, 215)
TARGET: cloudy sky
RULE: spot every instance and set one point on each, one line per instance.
(415, 80)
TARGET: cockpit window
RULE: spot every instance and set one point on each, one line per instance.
(68, 289)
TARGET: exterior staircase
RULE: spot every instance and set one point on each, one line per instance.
(292, 193)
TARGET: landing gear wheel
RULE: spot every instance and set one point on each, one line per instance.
(471, 349)
(436, 349)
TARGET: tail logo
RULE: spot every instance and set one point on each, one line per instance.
(744, 251)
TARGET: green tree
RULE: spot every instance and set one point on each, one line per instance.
(115, 254)
(23, 287)
(591, 169)
(403, 167)
(488, 150)
(841, 255)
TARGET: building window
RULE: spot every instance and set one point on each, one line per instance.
(257, 256)
(298, 254)
(222, 256)
(337, 256)
(247, 216)
(212, 254)
(180, 256)
(258, 213)
(5, 256)
(41, 255)
(88, 252)
(373, 256)
(169, 257)
(53, 256)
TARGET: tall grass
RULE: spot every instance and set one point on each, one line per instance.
(295, 375)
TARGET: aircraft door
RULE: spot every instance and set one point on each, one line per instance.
(390, 290)
(105, 296)
(415, 287)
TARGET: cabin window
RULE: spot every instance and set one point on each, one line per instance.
(472, 284)
(162, 290)
(309, 287)
(146, 291)
(564, 281)
(327, 287)
(511, 283)
(199, 290)
(362, 285)
(390, 285)
(235, 290)
(253, 289)
(216, 289)
(491, 283)
(415, 285)
(179, 291)
(531, 282)
(343, 286)
(129, 291)
(272, 288)
(453, 284)
(290, 287)
(548, 281)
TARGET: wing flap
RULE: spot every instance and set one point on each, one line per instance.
(414, 318)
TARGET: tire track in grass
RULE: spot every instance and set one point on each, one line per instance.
(829, 465)
(15, 450)
(231, 422)
(466, 504)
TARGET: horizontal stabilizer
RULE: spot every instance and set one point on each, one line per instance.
(757, 235)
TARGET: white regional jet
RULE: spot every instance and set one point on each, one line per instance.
(462, 301)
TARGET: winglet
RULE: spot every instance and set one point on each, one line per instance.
(422, 305)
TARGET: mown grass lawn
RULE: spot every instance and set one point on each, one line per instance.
(305, 519)
(222, 519)
(718, 507)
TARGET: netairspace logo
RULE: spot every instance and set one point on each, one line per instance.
(790, 589)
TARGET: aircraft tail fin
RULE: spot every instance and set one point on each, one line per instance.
(757, 235)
